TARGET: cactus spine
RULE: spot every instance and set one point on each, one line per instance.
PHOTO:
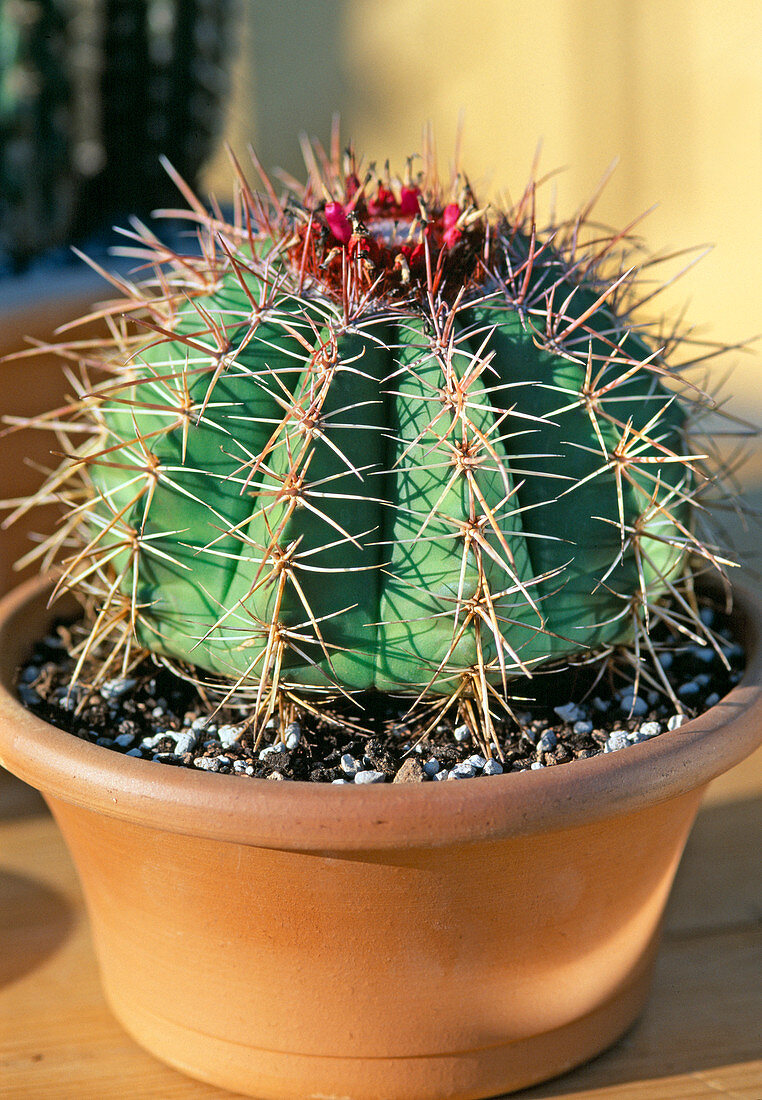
(375, 437)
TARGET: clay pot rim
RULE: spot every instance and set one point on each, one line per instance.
(302, 816)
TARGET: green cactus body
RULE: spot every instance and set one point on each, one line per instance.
(341, 465)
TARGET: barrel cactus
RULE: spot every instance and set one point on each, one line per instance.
(374, 437)
(91, 92)
(38, 179)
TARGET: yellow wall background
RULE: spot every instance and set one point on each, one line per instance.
(673, 88)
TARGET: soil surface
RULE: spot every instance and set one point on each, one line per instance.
(556, 717)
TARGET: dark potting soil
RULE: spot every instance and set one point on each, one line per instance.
(557, 717)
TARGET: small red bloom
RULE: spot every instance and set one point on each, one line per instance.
(409, 201)
(338, 222)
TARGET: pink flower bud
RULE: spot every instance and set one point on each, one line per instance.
(338, 222)
(451, 237)
(409, 201)
(450, 215)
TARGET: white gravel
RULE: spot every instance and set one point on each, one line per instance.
(617, 739)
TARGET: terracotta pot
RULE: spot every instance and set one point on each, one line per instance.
(386, 942)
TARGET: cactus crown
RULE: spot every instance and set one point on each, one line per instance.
(373, 437)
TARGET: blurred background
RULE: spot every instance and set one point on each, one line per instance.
(91, 91)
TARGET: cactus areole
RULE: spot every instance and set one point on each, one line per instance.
(375, 437)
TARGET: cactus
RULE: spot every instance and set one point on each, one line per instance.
(91, 92)
(164, 79)
(375, 437)
(37, 176)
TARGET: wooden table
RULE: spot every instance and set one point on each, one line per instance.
(700, 1037)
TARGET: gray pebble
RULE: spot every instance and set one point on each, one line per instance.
(133, 752)
(676, 721)
(277, 776)
(632, 704)
(536, 765)
(228, 735)
(688, 690)
(206, 763)
(649, 729)
(339, 781)
(185, 741)
(462, 733)
(28, 696)
(617, 739)
(158, 712)
(114, 689)
(703, 679)
(370, 777)
(476, 761)
(707, 616)
(204, 723)
(547, 742)
(440, 775)
(464, 770)
(239, 767)
(666, 659)
(29, 674)
(224, 761)
(712, 700)
(105, 742)
(124, 739)
(492, 767)
(152, 742)
(583, 726)
(570, 712)
(703, 653)
(293, 735)
(599, 704)
(272, 750)
(349, 765)
(431, 767)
